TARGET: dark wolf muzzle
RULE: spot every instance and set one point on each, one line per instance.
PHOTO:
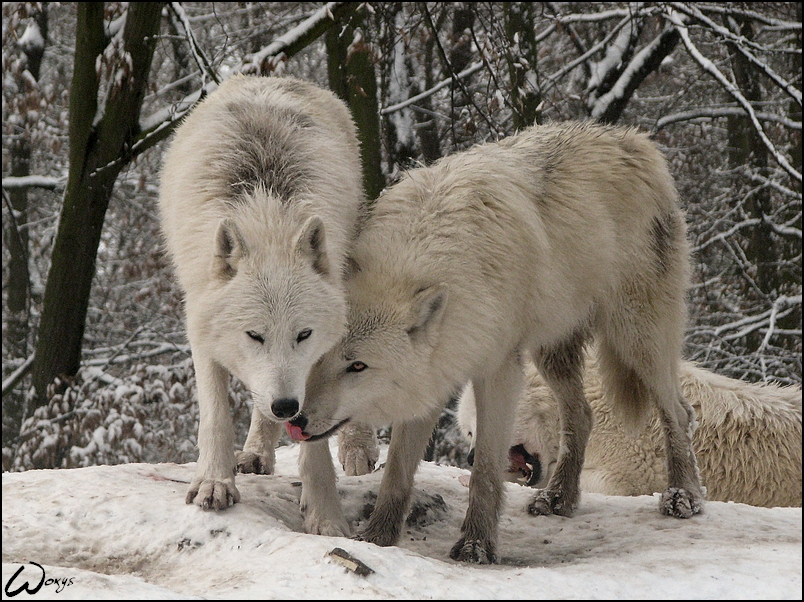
(525, 463)
(522, 462)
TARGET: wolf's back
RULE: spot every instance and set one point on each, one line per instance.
(260, 150)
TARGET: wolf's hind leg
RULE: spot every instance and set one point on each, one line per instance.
(642, 366)
(684, 495)
(259, 452)
(562, 368)
(358, 450)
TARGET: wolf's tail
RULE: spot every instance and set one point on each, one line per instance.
(629, 396)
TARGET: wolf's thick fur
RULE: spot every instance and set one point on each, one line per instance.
(260, 194)
(748, 440)
(535, 244)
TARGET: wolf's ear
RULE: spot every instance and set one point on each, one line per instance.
(312, 244)
(229, 249)
(427, 313)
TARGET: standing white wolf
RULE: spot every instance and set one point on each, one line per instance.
(535, 243)
(260, 195)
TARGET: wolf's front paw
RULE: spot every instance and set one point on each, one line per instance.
(382, 536)
(358, 450)
(548, 502)
(329, 527)
(680, 503)
(214, 494)
(357, 461)
(333, 524)
(249, 462)
(475, 551)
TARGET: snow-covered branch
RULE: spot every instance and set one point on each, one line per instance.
(159, 125)
(120, 358)
(605, 15)
(183, 25)
(784, 229)
(722, 236)
(473, 68)
(645, 62)
(553, 79)
(788, 192)
(732, 89)
(46, 182)
(739, 42)
(715, 112)
(744, 326)
(735, 10)
(17, 375)
(269, 58)
(778, 304)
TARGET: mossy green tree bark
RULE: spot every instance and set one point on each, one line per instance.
(350, 67)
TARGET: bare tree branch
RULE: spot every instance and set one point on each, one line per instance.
(710, 67)
(46, 182)
(454, 76)
(715, 112)
(740, 44)
(182, 23)
(159, 126)
(473, 68)
(609, 106)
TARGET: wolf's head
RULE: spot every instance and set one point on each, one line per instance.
(381, 371)
(273, 308)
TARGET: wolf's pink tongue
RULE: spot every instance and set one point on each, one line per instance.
(295, 432)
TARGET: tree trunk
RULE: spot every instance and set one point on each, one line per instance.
(18, 288)
(520, 31)
(97, 154)
(350, 67)
(460, 55)
(395, 84)
(426, 127)
(660, 48)
(747, 149)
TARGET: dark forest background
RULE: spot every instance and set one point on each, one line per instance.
(96, 367)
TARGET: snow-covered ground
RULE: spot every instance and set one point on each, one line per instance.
(125, 532)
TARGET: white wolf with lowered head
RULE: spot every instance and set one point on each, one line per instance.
(261, 190)
(536, 244)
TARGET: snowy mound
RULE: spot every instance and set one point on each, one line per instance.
(125, 532)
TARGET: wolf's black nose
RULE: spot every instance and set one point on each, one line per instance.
(470, 459)
(285, 407)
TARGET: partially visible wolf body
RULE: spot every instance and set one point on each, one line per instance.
(747, 443)
(260, 195)
(535, 243)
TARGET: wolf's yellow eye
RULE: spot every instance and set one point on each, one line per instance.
(304, 334)
(356, 367)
